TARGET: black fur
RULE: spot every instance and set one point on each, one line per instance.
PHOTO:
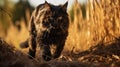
(48, 26)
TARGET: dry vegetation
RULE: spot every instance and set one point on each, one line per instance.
(93, 41)
(102, 24)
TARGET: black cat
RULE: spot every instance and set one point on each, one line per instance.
(48, 26)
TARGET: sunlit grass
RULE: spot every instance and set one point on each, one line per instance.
(101, 25)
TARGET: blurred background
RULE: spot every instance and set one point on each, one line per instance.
(92, 22)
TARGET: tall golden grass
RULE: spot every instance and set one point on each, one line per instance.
(101, 25)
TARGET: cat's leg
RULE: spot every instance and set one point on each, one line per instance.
(59, 48)
(32, 39)
(32, 47)
(45, 52)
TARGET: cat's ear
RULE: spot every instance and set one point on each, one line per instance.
(64, 7)
(47, 5)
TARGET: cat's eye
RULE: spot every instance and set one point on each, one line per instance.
(60, 18)
(51, 19)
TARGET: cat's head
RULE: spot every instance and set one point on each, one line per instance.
(52, 17)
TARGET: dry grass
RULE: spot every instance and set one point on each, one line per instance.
(93, 40)
(101, 25)
(16, 36)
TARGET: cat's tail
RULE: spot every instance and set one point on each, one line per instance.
(24, 44)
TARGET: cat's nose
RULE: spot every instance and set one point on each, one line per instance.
(55, 25)
(51, 26)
